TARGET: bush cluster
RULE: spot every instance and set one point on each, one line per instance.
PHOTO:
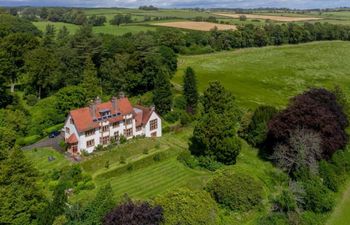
(236, 191)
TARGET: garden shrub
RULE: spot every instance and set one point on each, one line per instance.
(179, 102)
(130, 167)
(122, 139)
(255, 132)
(285, 202)
(311, 218)
(28, 140)
(185, 118)
(134, 213)
(188, 207)
(317, 198)
(329, 175)
(274, 219)
(209, 163)
(236, 191)
(172, 116)
(341, 160)
(122, 160)
(31, 99)
(187, 159)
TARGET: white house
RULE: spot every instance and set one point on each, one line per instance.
(99, 123)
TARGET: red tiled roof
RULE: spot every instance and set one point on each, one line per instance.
(72, 139)
(83, 118)
(146, 113)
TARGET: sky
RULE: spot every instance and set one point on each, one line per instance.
(299, 4)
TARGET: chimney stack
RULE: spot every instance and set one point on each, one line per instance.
(114, 104)
(121, 95)
(97, 100)
(92, 107)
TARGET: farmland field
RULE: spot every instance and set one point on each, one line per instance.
(267, 17)
(106, 29)
(272, 75)
(202, 26)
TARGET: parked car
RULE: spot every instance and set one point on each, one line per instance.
(54, 134)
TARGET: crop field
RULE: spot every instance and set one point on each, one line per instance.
(270, 17)
(272, 75)
(202, 26)
(178, 13)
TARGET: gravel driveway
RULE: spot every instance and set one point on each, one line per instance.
(47, 142)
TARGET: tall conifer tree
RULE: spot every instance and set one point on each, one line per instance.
(190, 90)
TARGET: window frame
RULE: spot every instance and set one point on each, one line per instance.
(92, 141)
(153, 124)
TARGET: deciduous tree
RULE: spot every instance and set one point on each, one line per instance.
(134, 213)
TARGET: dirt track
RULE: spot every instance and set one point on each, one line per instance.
(265, 17)
(202, 26)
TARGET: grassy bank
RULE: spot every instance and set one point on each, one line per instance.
(272, 75)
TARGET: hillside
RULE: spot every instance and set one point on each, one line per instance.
(272, 75)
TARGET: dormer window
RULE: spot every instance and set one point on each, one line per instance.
(105, 113)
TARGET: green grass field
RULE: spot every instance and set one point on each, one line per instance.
(106, 29)
(341, 214)
(272, 75)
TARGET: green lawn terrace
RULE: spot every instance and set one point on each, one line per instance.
(150, 178)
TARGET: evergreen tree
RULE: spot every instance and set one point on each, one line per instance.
(91, 83)
(62, 35)
(94, 211)
(190, 90)
(49, 36)
(162, 95)
(21, 200)
(56, 207)
(214, 135)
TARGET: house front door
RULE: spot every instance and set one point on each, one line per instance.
(74, 149)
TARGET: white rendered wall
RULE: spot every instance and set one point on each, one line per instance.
(148, 132)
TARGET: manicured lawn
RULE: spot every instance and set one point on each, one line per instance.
(155, 179)
(39, 159)
(272, 75)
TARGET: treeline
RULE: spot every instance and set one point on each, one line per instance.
(66, 15)
(148, 7)
(257, 36)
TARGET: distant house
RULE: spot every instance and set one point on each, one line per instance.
(101, 123)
